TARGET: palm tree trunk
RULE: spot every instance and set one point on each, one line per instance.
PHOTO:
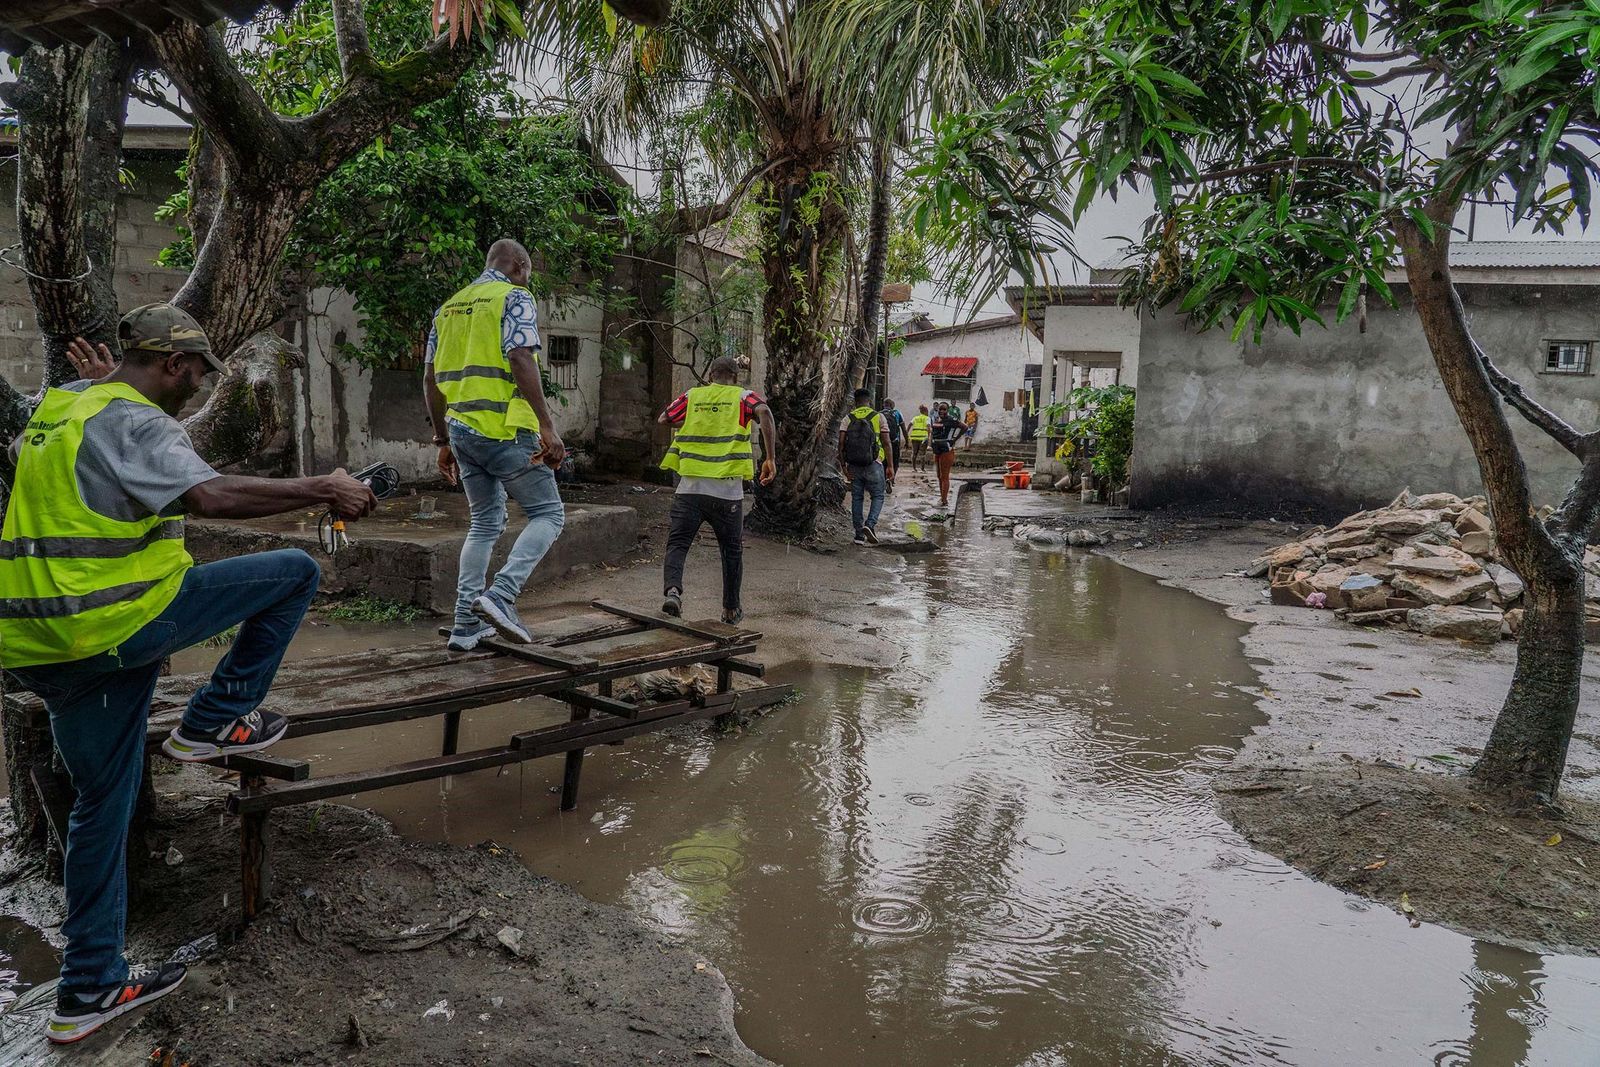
(803, 227)
(865, 342)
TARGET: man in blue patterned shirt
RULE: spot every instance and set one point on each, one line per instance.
(495, 437)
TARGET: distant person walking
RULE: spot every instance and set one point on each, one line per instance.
(972, 424)
(917, 434)
(864, 451)
(711, 454)
(947, 430)
(895, 423)
(495, 437)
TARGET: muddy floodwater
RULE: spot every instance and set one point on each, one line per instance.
(1002, 851)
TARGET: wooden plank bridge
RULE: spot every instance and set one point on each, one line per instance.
(578, 663)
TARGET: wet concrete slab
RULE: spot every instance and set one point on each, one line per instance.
(1028, 505)
(398, 555)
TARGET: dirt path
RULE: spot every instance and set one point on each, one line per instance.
(1357, 778)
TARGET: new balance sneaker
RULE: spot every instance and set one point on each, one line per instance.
(247, 733)
(78, 1015)
(503, 617)
(861, 537)
(466, 638)
(672, 603)
(871, 535)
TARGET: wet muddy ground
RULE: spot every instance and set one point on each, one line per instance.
(1002, 848)
(989, 838)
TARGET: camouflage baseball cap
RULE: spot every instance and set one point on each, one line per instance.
(164, 328)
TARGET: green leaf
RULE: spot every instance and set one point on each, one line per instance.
(609, 17)
(1347, 298)
(1528, 70)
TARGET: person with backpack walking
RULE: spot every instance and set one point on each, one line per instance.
(866, 458)
(712, 456)
(917, 434)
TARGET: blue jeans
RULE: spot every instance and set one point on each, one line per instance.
(864, 480)
(99, 708)
(490, 471)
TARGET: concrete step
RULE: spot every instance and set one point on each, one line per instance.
(397, 556)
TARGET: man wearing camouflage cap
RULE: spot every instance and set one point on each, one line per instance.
(97, 589)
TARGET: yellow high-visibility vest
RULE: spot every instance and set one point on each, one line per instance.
(712, 443)
(74, 583)
(471, 369)
(919, 428)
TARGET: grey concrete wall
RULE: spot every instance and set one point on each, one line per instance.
(139, 281)
(1341, 419)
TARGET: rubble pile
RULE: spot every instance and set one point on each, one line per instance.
(1425, 562)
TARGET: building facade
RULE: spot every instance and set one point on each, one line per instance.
(1343, 418)
(995, 363)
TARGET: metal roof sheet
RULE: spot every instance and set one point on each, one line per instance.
(1525, 254)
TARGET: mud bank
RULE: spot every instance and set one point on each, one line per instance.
(1358, 776)
(382, 951)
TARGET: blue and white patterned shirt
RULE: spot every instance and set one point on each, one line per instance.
(519, 325)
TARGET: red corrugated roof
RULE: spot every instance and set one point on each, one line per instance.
(951, 366)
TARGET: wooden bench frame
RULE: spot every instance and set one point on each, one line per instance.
(267, 781)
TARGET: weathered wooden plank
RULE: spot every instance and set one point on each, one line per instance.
(708, 630)
(608, 705)
(550, 741)
(545, 655)
(543, 684)
(260, 765)
(746, 666)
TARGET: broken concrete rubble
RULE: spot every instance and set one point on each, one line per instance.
(1463, 624)
(1427, 562)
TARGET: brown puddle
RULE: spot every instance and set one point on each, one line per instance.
(1003, 851)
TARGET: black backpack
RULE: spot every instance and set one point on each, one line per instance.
(861, 442)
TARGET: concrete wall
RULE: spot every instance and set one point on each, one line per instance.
(1002, 353)
(1343, 419)
(352, 415)
(138, 280)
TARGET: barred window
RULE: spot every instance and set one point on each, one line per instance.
(561, 352)
(1566, 357)
(956, 389)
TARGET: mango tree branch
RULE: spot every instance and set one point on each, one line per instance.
(1548, 421)
(1580, 511)
(350, 31)
(251, 137)
(377, 95)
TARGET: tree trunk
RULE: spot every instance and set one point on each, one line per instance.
(1527, 748)
(864, 345)
(803, 227)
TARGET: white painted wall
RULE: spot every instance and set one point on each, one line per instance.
(1002, 353)
(1070, 328)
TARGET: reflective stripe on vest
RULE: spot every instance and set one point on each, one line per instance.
(919, 428)
(712, 443)
(471, 369)
(75, 583)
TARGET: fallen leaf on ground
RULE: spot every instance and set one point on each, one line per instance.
(1412, 692)
(1405, 904)
(1376, 865)
(1553, 839)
